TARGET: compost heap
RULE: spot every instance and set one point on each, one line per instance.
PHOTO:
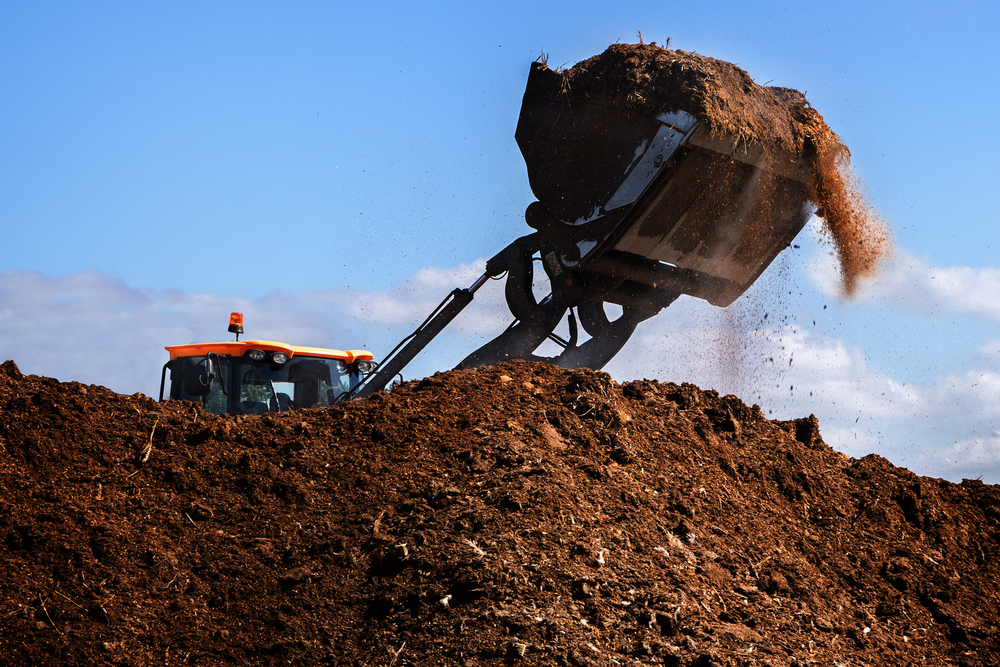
(647, 79)
(518, 514)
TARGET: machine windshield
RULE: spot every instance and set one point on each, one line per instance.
(300, 383)
(241, 386)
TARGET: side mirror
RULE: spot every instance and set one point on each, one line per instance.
(199, 376)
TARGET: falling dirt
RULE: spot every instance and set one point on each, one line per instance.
(646, 78)
(518, 514)
(861, 238)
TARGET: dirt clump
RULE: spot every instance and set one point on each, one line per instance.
(516, 514)
(646, 79)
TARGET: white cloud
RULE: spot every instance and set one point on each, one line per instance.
(973, 458)
(850, 438)
(410, 303)
(788, 370)
(907, 282)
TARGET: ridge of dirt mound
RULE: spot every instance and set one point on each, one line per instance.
(646, 78)
(516, 514)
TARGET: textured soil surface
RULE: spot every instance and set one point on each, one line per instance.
(518, 514)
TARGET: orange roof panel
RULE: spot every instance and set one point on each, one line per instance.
(239, 348)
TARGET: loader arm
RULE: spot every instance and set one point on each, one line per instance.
(413, 344)
(435, 323)
(534, 321)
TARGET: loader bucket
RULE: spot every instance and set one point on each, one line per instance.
(655, 199)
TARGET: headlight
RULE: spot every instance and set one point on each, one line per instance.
(279, 357)
(256, 355)
(366, 366)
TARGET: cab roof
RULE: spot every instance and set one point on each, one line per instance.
(239, 348)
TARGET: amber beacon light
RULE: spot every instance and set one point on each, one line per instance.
(236, 324)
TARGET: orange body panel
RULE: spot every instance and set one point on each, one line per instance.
(239, 348)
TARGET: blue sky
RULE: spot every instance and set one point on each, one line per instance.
(335, 169)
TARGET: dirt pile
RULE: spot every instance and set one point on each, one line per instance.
(518, 514)
(646, 78)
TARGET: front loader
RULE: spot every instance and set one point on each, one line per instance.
(634, 210)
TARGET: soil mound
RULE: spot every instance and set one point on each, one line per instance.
(516, 514)
(646, 79)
